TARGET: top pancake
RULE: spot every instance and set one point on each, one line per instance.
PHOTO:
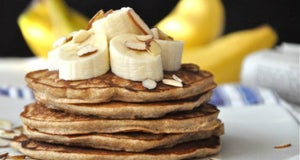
(109, 87)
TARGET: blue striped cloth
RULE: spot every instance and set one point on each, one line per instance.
(224, 95)
(241, 95)
(16, 92)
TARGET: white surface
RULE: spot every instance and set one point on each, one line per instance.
(13, 70)
(250, 132)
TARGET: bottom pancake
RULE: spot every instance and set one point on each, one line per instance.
(132, 142)
(47, 151)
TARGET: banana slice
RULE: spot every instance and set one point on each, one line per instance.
(171, 50)
(171, 54)
(124, 20)
(85, 56)
(135, 60)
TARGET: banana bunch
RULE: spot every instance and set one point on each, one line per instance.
(200, 23)
(44, 21)
(196, 22)
(223, 57)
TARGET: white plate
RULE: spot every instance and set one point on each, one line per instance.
(250, 132)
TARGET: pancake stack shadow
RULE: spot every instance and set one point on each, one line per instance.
(107, 117)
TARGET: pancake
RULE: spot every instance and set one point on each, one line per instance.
(109, 87)
(132, 142)
(47, 151)
(37, 116)
(126, 110)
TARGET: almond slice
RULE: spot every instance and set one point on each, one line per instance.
(144, 38)
(138, 46)
(176, 78)
(149, 84)
(86, 50)
(4, 155)
(282, 146)
(172, 82)
(8, 134)
(4, 143)
(153, 47)
(98, 15)
(18, 157)
(4, 124)
(81, 36)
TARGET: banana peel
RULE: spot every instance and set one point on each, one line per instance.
(196, 22)
(223, 57)
(44, 21)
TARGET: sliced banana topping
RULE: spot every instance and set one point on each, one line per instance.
(171, 54)
(132, 64)
(135, 52)
(171, 50)
(121, 21)
(86, 56)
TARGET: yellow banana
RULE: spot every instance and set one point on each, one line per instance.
(196, 22)
(223, 57)
(44, 21)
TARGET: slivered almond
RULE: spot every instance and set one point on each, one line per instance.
(86, 50)
(282, 146)
(172, 82)
(149, 84)
(81, 36)
(138, 22)
(98, 15)
(176, 78)
(144, 38)
(108, 12)
(18, 157)
(4, 143)
(138, 46)
(8, 134)
(4, 124)
(3, 155)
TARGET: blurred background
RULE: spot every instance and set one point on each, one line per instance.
(282, 15)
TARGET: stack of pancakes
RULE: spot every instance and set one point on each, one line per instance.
(108, 117)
